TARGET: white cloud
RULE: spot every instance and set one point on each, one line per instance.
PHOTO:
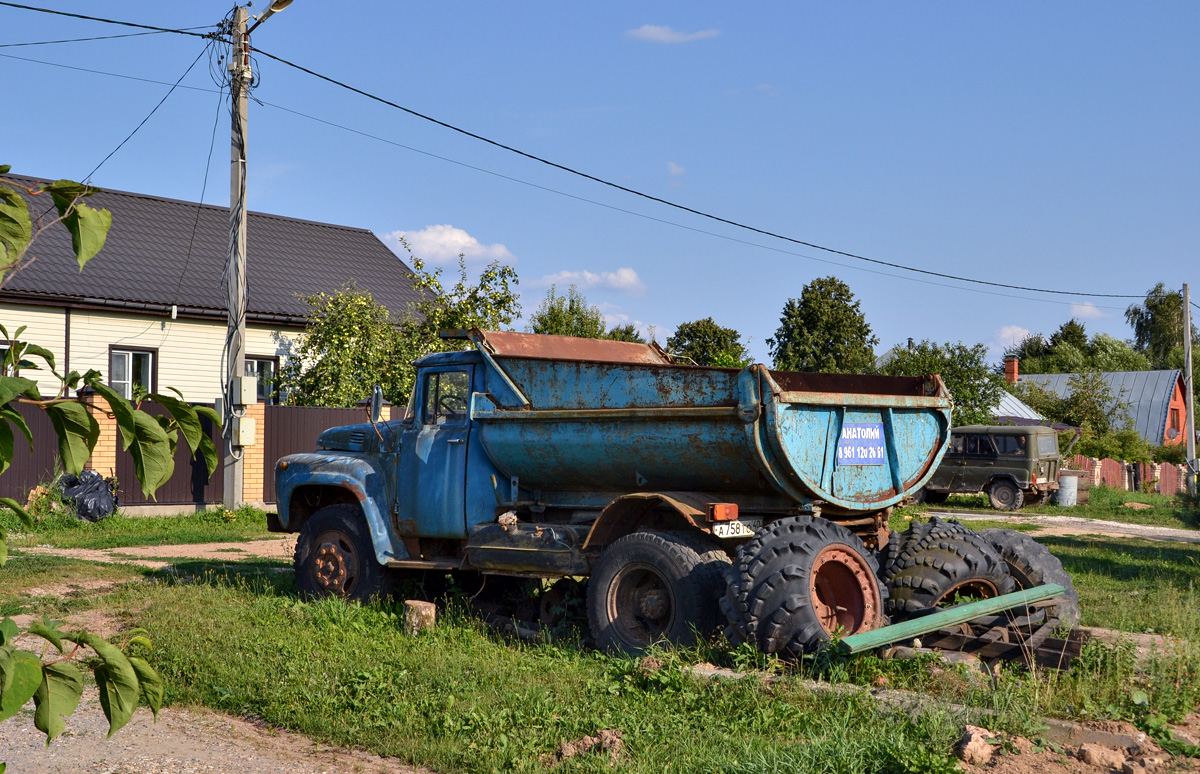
(766, 88)
(674, 170)
(444, 243)
(652, 33)
(625, 280)
(1006, 338)
(1087, 310)
(615, 315)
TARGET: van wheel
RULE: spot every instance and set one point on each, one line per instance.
(653, 587)
(335, 558)
(1005, 496)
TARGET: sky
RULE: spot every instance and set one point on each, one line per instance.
(1048, 145)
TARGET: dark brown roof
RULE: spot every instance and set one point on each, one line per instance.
(145, 263)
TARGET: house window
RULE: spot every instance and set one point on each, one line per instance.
(131, 371)
(1174, 425)
(265, 369)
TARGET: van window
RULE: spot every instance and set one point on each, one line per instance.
(1047, 445)
(1010, 445)
(979, 445)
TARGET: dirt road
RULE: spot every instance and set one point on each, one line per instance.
(183, 741)
(1074, 525)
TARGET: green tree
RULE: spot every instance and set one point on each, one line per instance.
(1109, 353)
(824, 330)
(626, 332)
(351, 343)
(974, 385)
(708, 344)
(1157, 326)
(569, 315)
(1071, 332)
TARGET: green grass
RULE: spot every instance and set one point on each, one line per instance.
(63, 530)
(1104, 503)
(459, 699)
(23, 574)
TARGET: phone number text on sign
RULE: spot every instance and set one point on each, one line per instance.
(862, 443)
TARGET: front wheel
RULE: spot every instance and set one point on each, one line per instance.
(651, 587)
(335, 558)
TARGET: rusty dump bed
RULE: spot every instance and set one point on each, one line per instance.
(588, 415)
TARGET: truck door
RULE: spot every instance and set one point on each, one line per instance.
(435, 464)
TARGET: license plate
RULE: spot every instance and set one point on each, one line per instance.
(736, 529)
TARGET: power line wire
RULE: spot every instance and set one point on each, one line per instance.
(663, 221)
(576, 197)
(84, 40)
(676, 205)
(185, 31)
(203, 190)
(148, 115)
(593, 178)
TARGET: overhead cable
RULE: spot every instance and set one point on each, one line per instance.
(185, 31)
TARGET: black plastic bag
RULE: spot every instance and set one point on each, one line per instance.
(92, 494)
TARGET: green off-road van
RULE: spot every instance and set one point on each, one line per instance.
(1013, 465)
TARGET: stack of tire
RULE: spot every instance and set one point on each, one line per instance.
(778, 588)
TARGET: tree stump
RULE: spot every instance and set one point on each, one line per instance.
(419, 616)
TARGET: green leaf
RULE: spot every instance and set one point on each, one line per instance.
(185, 417)
(3, 547)
(116, 679)
(209, 450)
(16, 508)
(88, 226)
(56, 698)
(16, 229)
(6, 445)
(206, 411)
(77, 432)
(20, 676)
(150, 682)
(14, 416)
(42, 352)
(153, 459)
(49, 631)
(12, 386)
(122, 411)
(5, 168)
(8, 631)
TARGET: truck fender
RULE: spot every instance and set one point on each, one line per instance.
(628, 513)
(1003, 477)
(357, 477)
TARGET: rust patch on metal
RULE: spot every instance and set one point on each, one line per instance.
(546, 347)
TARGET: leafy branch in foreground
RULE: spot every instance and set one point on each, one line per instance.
(56, 685)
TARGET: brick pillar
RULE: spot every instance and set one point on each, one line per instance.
(385, 414)
(252, 463)
(1156, 472)
(104, 455)
(1095, 472)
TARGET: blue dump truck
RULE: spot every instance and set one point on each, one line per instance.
(690, 497)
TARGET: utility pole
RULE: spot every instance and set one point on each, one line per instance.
(1188, 390)
(240, 78)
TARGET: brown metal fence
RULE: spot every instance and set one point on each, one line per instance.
(190, 485)
(30, 469)
(292, 429)
(1168, 479)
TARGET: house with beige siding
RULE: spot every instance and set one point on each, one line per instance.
(149, 309)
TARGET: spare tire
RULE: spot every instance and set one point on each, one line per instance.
(942, 560)
(797, 583)
(1031, 564)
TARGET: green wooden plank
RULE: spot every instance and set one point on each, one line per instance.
(857, 643)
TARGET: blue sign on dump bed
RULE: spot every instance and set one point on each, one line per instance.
(862, 443)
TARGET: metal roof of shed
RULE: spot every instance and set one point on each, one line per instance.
(1148, 394)
(162, 252)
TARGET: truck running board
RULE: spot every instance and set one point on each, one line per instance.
(425, 564)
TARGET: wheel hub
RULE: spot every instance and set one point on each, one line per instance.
(334, 563)
(653, 603)
(640, 604)
(844, 591)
